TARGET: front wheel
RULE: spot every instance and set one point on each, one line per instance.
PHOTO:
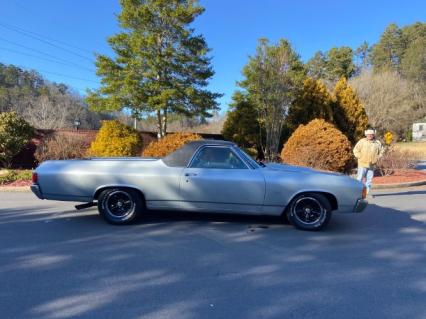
(120, 206)
(309, 211)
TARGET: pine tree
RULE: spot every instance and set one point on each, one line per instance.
(159, 67)
(388, 52)
(242, 125)
(349, 113)
(332, 65)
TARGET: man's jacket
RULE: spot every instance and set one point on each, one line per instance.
(368, 152)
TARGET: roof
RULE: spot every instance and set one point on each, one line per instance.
(181, 157)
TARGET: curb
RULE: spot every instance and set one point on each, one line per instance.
(398, 185)
(17, 189)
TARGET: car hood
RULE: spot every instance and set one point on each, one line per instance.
(298, 169)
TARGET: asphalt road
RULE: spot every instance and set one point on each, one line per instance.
(59, 263)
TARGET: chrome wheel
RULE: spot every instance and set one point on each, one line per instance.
(308, 210)
(119, 204)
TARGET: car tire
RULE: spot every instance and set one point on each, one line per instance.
(120, 206)
(309, 211)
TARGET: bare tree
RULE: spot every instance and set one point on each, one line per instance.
(391, 102)
(44, 113)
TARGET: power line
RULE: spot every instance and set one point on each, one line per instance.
(52, 19)
(42, 38)
(42, 58)
(46, 54)
(58, 74)
(68, 76)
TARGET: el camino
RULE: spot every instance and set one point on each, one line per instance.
(202, 176)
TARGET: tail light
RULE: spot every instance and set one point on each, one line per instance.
(364, 192)
(35, 178)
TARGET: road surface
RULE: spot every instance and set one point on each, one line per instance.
(59, 263)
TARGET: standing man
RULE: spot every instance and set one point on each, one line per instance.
(368, 150)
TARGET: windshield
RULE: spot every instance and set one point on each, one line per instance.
(247, 158)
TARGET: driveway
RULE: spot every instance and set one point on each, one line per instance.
(59, 263)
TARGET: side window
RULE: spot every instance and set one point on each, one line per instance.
(217, 157)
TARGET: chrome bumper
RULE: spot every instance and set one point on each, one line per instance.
(361, 204)
(37, 191)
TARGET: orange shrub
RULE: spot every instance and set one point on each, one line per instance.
(320, 145)
(169, 144)
(115, 139)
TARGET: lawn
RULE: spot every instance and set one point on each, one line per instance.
(418, 147)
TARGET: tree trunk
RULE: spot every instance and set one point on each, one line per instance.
(164, 122)
(159, 125)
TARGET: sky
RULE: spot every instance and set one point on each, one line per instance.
(58, 38)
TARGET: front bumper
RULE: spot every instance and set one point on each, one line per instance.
(37, 191)
(361, 204)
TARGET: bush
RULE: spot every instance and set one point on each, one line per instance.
(388, 137)
(169, 144)
(115, 139)
(395, 159)
(60, 147)
(15, 133)
(320, 145)
(349, 113)
(15, 175)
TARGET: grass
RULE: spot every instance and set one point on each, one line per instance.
(417, 147)
(9, 176)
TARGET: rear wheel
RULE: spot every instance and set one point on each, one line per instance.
(309, 211)
(120, 206)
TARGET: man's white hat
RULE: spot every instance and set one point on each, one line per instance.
(370, 131)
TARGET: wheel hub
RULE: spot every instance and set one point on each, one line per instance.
(308, 210)
(119, 204)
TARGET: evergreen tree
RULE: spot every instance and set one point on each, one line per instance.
(362, 56)
(160, 66)
(349, 113)
(332, 65)
(340, 63)
(413, 64)
(242, 124)
(313, 102)
(317, 66)
(388, 52)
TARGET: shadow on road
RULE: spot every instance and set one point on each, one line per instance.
(185, 265)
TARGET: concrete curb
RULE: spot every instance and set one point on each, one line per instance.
(18, 189)
(399, 185)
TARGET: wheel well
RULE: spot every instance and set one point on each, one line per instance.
(99, 191)
(330, 197)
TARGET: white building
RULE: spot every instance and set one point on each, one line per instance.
(419, 132)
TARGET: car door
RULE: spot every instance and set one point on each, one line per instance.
(218, 180)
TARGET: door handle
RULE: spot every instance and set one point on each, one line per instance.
(190, 174)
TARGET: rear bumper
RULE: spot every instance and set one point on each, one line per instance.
(361, 204)
(37, 191)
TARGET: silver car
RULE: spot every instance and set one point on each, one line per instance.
(202, 176)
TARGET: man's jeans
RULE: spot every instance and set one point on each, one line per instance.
(368, 173)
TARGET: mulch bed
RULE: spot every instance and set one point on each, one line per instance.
(405, 176)
(17, 184)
